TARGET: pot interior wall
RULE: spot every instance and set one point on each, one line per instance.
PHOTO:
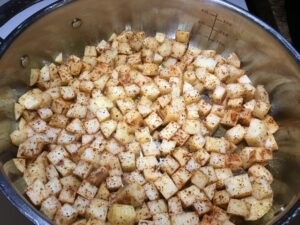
(212, 26)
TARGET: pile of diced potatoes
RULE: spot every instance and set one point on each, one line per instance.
(148, 131)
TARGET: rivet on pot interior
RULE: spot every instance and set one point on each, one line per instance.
(76, 23)
(24, 60)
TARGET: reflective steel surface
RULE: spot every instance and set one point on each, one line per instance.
(268, 60)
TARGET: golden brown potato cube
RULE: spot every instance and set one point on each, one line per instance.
(190, 195)
(50, 206)
(97, 209)
(65, 215)
(18, 137)
(185, 218)
(119, 214)
(58, 121)
(199, 179)
(132, 194)
(157, 206)
(181, 177)
(237, 207)
(238, 186)
(103, 192)
(196, 142)
(201, 156)
(166, 186)
(182, 36)
(230, 118)
(180, 137)
(37, 192)
(221, 198)
(181, 155)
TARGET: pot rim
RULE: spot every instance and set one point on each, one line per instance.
(29, 212)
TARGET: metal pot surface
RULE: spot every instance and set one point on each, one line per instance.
(68, 26)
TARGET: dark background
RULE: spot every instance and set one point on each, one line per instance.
(283, 15)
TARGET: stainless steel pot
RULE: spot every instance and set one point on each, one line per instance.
(69, 25)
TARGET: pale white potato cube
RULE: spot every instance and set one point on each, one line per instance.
(34, 76)
(146, 162)
(132, 194)
(67, 194)
(174, 205)
(82, 169)
(235, 90)
(164, 100)
(163, 85)
(192, 96)
(142, 135)
(115, 92)
(237, 207)
(90, 51)
(153, 121)
(218, 94)
(151, 191)
(81, 205)
(196, 142)
(67, 93)
(53, 186)
(256, 133)
(143, 213)
(210, 190)
(32, 99)
(150, 69)
(114, 183)
(92, 126)
(235, 134)
(257, 208)
(213, 144)
(76, 126)
(201, 156)
(108, 127)
(98, 209)
(167, 146)
(161, 218)
(18, 137)
(205, 62)
(66, 214)
(204, 107)
(212, 122)
(165, 49)
(181, 177)
(166, 186)
(125, 105)
(150, 148)
(127, 160)
(152, 174)
(65, 138)
(65, 166)
(261, 189)
(259, 171)
(185, 218)
(192, 127)
(77, 111)
(50, 206)
(210, 173)
(18, 110)
(169, 165)
(192, 165)
(217, 160)
(222, 174)
(235, 104)
(238, 186)
(37, 192)
(202, 207)
(190, 195)
(150, 90)
(45, 113)
(178, 49)
(199, 179)
(157, 206)
(271, 143)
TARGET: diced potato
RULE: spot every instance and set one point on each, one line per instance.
(210, 173)
(210, 190)
(132, 194)
(153, 121)
(182, 36)
(219, 94)
(150, 90)
(271, 124)
(261, 189)
(66, 214)
(146, 162)
(32, 99)
(87, 190)
(204, 107)
(202, 207)
(257, 208)
(192, 127)
(50, 206)
(167, 147)
(237, 207)
(201, 157)
(238, 186)
(221, 198)
(181, 177)
(212, 122)
(127, 160)
(259, 171)
(184, 218)
(199, 179)
(165, 49)
(114, 183)
(169, 165)
(230, 118)
(261, 109)
(37, 192)
(53, 186)
(151, 191)
(166, 186)
(76, 126)
(18, 137)
(77, 111)
(216, 145)
(157, 206)
(256, 133)
(181, 155)
(92, 126)
(235, 134)
(190, 195)
(119, 214)
(97, 209)
(67, 195)
(150, 149)
(205, 62)
(108, 127)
